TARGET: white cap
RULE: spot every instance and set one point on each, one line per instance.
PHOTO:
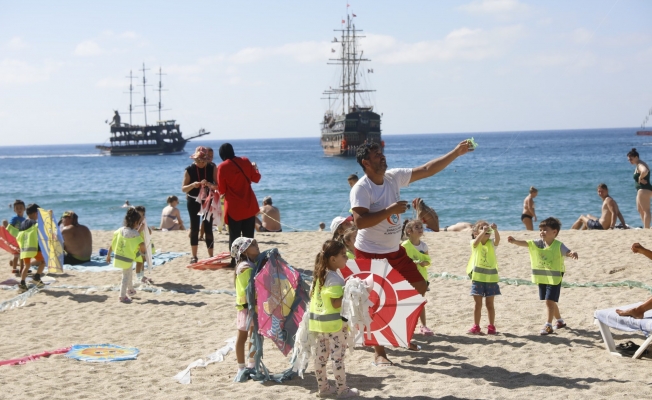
(337, 221)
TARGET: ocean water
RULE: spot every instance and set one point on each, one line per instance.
(489, 183)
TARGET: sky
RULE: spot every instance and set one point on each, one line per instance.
(257, 69)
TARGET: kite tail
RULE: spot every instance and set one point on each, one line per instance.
(355, 308)
(305, 345)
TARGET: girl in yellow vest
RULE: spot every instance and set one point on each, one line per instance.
(482, 268)
(127, 244)
(27, 239)
(245, 251)
(547, 261)
(325, 319)
(417, 250)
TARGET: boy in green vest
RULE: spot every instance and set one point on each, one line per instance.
(29, 248)
(547, 260)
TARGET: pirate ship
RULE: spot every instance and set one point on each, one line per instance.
(164, 137)
(350, 120)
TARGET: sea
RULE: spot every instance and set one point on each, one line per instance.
(489, 183)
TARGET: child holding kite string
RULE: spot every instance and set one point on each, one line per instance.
(245, 251)
(325, 306)
(417, 250)
(482, 268)
(127, 245)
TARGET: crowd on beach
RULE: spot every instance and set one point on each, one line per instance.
(222, 196)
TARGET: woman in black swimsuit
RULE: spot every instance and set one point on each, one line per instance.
(529, 215)
(200, 175)
(643, 186)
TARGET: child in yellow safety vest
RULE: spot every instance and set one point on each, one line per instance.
(482, 268)
(27, 239)
(547, 261)
(417, 250)
(245, 251)
(325, 305)
(127, 244)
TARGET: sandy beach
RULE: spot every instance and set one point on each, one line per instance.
(173, 329)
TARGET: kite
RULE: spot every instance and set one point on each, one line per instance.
(50, 241)
(33, 357)
(102, 353)
(8, 242)
(396, 304)
(216, 262)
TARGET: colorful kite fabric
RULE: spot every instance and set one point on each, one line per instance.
(102, 353)
(396, 304)
(281, 302)
(8, 241)
(50, 241)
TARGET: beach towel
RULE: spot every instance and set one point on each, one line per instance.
(99, 264)
(626, 324)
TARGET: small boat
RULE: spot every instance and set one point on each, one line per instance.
(643, 131)
(164, 137)
(350, 120)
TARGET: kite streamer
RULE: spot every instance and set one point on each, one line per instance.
(102, 353)
(33, 357)
(18, 301)
(183, 377)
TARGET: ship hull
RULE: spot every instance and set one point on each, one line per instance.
(644, 133)
(341, 137)
(144, 150)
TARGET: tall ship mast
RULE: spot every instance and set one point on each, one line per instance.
(164, 137)
(350, 120)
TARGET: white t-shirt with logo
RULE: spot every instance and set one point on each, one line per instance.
(384, 237)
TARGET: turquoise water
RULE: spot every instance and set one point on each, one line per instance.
(489, 183)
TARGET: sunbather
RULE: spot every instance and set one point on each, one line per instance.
(638, 312)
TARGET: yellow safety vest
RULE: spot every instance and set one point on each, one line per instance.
(547, 263)
(12, 230)
(417, 257)
(482, 266)
(241, 283)
(28, 242)
(126, 250)
(324, 317)
(350, 255)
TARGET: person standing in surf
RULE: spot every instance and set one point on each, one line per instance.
(234, 178)
(377, 207)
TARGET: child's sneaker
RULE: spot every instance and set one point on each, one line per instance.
(547, 330)
(328, 392)
(560, 324)
(22, 288)
(424, 330)
(491, 330)
(39, 283)
(475, 330)
(125, 300)
(146, 280)
(349, 392)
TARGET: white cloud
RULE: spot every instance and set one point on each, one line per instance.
(569, 61)
(460, 44)
(16, 72)
(303, 52)
(88, 48)
(582, 36)
(16, 43)
(495, 7)
(112, 83)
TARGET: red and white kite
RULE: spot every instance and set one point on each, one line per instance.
(396, 304)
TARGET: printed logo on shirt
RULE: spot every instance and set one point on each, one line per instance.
(394, 219)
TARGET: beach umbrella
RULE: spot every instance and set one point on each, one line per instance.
(396, 304)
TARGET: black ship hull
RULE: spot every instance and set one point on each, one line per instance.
(341, 136)
(144, 149)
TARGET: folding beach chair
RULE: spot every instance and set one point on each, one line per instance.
(608, 318)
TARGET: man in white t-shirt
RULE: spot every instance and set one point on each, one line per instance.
(377, 207)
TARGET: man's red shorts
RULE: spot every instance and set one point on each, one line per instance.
(399, 260)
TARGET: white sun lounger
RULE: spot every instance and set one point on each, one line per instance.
(608, 318)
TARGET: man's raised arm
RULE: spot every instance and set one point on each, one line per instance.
(438, 164)
(365, 219)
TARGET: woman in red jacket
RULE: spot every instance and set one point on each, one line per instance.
(234, 177)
